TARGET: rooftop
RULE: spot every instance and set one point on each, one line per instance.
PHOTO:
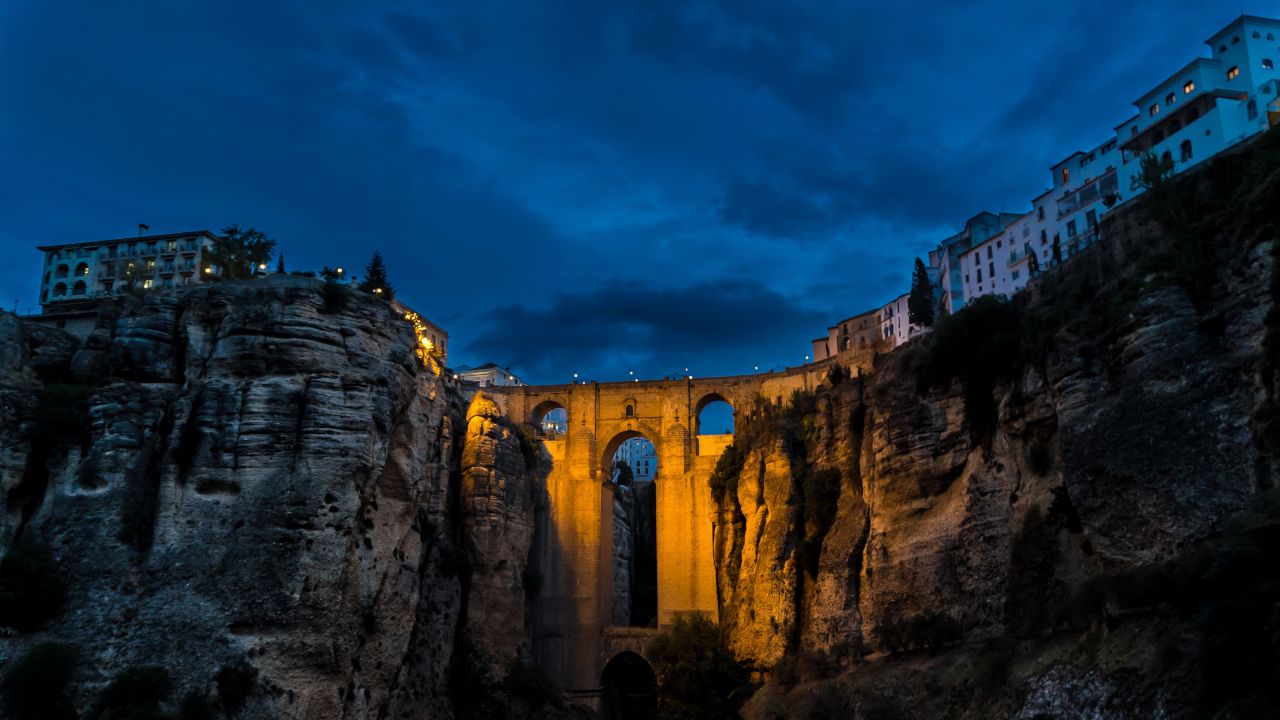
(133, 238)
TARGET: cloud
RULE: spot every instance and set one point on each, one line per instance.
(655, 330)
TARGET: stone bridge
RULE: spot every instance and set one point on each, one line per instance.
(573, 542)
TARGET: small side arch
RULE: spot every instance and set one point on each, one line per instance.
(630, 688)
(550, 417)
(720, 413)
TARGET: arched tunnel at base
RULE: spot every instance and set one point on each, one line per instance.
(629, 689)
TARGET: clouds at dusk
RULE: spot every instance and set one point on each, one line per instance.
(587, 187)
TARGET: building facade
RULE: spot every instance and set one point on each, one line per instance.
(488, 375)
(89, 270)
(1211, 104)
(860, 332)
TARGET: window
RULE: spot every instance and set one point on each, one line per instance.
(998, 243)
(1170, 99)
(171, 246)
(148, 283)
(60, 290)
(1154, 110)
(1222, 48)
(1066, 174)
(988, 252)
(1252, 109)
(991, 271)
(979, 274)
(111, 251)
(1267, 64)
(1166, 157)
(1235, 40)
(1044, 238)
(1040, 213)
(1256, 34)
(1271, 36)
(1091, 218)
(1071, 228)
(78, 288)
(1188, 87)
(1015, 274)
(1186, 150)
(1233, 73)
(61, 271)
(151, 265)
(1133, 130)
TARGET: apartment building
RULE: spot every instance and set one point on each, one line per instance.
(102, 268)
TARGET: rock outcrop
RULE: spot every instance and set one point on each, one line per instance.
(251, 473)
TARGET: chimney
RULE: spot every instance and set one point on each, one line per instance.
(142, 229)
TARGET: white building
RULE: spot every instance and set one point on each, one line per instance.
(487, 375)
(947, 257)
(102, 268)
(640, 455)
(1209, 105)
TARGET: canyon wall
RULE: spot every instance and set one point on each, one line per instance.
(267, 476)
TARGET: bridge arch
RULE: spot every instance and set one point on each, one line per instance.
(618, 436)
(630, 688)
(707, 400)
(550, 412)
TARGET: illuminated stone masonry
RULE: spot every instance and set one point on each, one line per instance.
(573, 612)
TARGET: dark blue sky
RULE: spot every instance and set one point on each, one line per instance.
(598, 187)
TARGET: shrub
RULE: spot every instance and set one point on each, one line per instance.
(196, 706)
(235, 682)
(979, 346)
(724, 479)
(530, 683)
(38, 686)
(698, 676)
(30, 590)
(134, 694)
(335, 297)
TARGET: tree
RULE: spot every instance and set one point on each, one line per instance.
(239, 250)
(698, 677)
(1057, 250)
(920, 303)
(375, 278)
(280, 264)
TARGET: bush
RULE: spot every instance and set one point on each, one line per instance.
(335, 297)
(31, 592)
(134, 694)
(697, 675)
(38, 686)
(529, 683)
(980, 345)
(196, 706)
(724, 479)
(235, 682)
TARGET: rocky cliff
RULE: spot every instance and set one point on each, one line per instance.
(1058, 506)
(265, 479)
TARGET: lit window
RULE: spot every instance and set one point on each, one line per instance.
(1154, 110)
(1066, 174)
(147, 283)
(1267, 64)
(1170, 99)
(1233, 73)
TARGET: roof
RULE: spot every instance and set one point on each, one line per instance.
(1155, 89)
(134, 238)
(1240, 21)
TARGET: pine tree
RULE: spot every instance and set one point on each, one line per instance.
(920, 302)
(375, 278)
(280, 264)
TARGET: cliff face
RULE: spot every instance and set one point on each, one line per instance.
(236, 474)
(975, 501)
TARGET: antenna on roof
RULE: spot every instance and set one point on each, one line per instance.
(142, 229)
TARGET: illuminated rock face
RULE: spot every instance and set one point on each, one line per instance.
(263, 480)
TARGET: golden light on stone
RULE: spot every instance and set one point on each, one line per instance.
(426, 348)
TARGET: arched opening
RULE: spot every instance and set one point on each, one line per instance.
(61, 271)
(551, 419)
(60, 290)
(78, 288)
(82, 269)
(715, 415)
(631, 466)
(630, 688)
